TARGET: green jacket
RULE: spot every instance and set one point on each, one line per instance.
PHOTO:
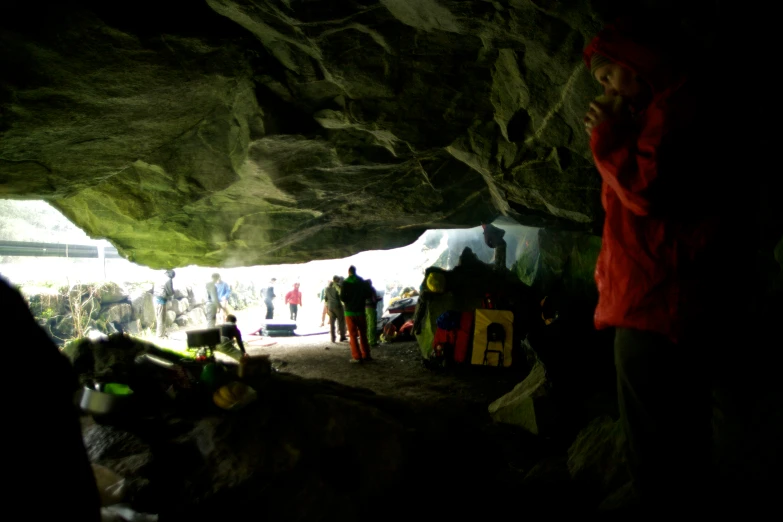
(353, 294)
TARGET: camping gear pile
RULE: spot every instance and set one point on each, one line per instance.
(475, 314)
(396, 324)
(126, 379)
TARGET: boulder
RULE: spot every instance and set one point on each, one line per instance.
(183, 305)
(597, 458)
(182, 320)
(63, 328)
(529, 405)
(173, 306)
(143, 308)
(110, 293)
(171, 317)
(132, 327)
(196, 316)
(124, 454)
(45, 302)
(197, 295)
(120, 313)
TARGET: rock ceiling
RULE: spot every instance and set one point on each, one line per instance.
(241, 132)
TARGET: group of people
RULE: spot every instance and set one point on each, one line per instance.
(217, 307)
(293, 299)
(216, 310)
(351, 303)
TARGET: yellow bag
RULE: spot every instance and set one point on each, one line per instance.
(232, 395)
(482, 350)
(436, 282)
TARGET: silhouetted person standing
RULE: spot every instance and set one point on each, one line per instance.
(335, 308)
(164, 292)
(269, 297)
(656, 275)
(213, 301)
(47, 437)
(223, 292)
(354, 293)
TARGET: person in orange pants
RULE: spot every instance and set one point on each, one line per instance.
(355, 291)
(357, 336)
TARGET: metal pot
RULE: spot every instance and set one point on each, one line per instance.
(100, 403)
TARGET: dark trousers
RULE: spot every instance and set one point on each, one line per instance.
(270, 310)
(337, 316)
(293, 308)
(665, 400)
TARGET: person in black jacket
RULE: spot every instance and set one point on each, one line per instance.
(269, 296)
(354, 293)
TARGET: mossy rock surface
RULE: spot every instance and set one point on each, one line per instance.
(244, 132)
(272, 131)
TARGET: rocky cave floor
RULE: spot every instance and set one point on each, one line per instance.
(396, 371)
(330, 440)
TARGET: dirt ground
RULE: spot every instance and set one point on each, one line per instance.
(397, 369)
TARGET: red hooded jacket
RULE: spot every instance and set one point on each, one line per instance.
(651, 271)
(294, 297)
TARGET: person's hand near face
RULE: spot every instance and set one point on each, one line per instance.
(596, 115)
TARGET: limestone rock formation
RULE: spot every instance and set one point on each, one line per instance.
(597, 457)
(529, 405)
(111, 293)
(143, 308)
(239, 132)
(121, 313)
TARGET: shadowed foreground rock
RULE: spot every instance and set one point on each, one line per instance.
(305, 450)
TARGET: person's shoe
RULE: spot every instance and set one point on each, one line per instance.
(368, 359)
(322, 324)
(355, 361)
(343, 339)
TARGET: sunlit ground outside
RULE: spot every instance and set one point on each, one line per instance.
(36, 221)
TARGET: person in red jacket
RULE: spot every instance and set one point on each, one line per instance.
(655, 272)
(294, 300)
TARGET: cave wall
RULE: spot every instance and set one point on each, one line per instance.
(237, 132)
(241, 132)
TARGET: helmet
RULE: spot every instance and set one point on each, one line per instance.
(436, 282)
